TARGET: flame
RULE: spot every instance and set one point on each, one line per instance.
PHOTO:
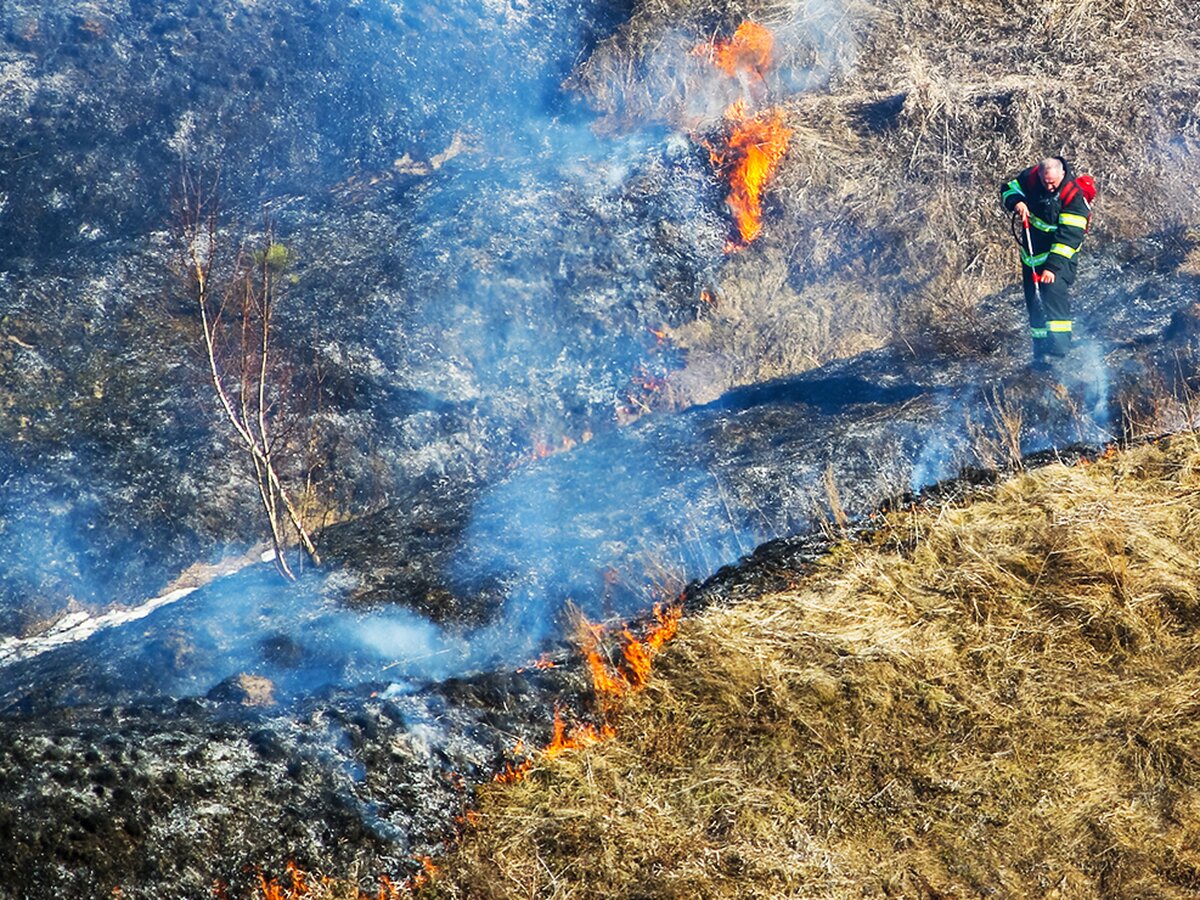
(428, 872)
(543, 662)
(753, 144)
(512, 774)
(272, 890)
(748, 51)
(753, 148)
(1110, 451)
(580, 736)
(543, 448)
(608, 682)
(633, 671)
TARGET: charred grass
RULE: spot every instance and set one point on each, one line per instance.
(997, 698)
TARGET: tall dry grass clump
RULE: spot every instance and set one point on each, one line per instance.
(995, 699)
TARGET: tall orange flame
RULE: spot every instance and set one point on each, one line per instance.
(753, 145)
(748, 51)
(753, 149)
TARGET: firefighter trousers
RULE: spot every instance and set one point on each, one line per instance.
(1050, 321)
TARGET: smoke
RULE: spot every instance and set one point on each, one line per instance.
(817, 43)
(1094, 382)
(937, 460)
(530, 268)
(605, 531)
(408, 646)
(662, 72)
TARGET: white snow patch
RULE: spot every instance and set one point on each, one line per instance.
(79, 626)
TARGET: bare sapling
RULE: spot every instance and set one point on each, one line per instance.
(235, 296)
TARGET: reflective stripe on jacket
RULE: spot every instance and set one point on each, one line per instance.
(1056, 231)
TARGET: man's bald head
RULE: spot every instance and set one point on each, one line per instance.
(1051, 172)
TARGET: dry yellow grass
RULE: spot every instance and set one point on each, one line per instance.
(995, 699)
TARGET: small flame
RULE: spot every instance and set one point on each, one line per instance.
(272, 890)
(300, 887)
(608, 682)
(542, 662)
(543, 448)
(1109, 452)
(632, 673)
(512, 774)
(428, 872)
(753, 148)
(580, 736)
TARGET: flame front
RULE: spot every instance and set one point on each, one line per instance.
(754, 145)
(633, 671)
(610, 683)
(580, 736)
(300, 886)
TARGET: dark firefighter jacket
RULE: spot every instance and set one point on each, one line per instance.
(1056, 231)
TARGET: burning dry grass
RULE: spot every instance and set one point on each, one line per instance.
(997, 699)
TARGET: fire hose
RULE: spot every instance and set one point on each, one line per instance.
(1039, 309)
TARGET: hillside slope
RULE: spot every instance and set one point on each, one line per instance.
(993, 698)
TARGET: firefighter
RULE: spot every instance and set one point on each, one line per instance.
(1056, 212)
